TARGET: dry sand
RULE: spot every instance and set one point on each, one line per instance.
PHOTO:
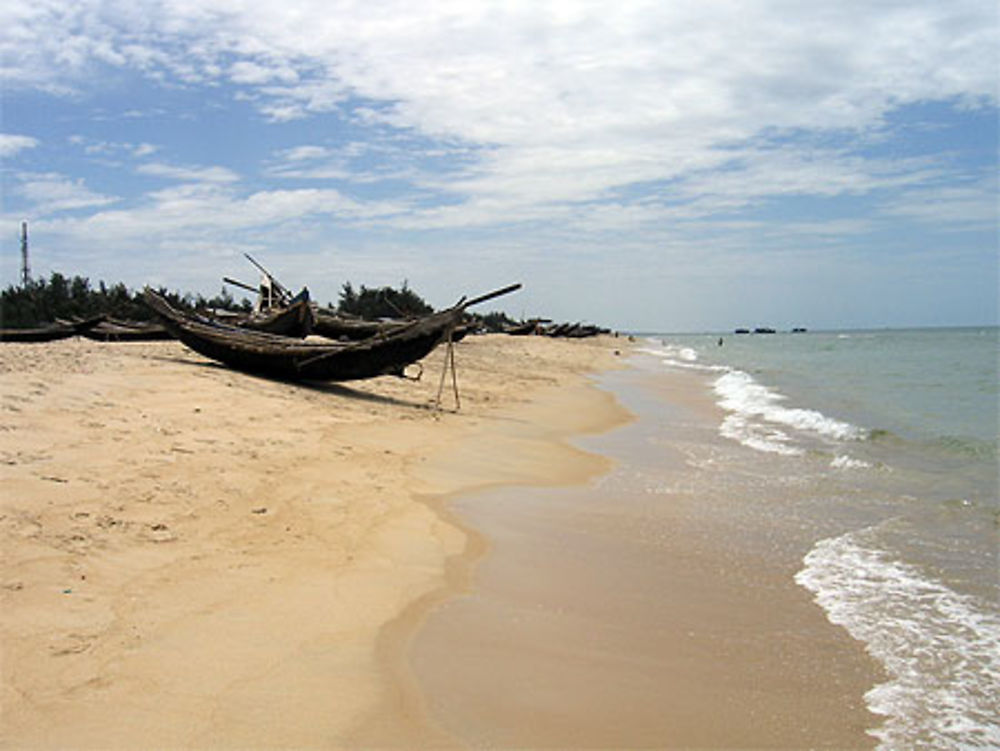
(194, 557)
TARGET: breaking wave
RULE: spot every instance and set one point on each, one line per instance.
(940, 649)
(759, 418)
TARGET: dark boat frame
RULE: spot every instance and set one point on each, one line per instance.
(59, 330)
(337, 327)
(525, 328)
(290, 359)
(115, 330)
(296, 319)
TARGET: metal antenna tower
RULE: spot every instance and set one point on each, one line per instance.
(25, 267)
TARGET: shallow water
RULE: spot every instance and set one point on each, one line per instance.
(656, 606)
(897, 431)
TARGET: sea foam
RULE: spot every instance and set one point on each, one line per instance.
(941, 649)
(756, 411)
(757, 417)
(848, 462)
(677, 356)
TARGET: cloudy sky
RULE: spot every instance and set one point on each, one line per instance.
(665, 165)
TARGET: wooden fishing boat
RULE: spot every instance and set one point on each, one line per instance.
(559, 329)
(461, 331)
(285, 358)
(338, 327)
(50, 333)
(525, 328)
(575, 330)
(115, 330)
(582, 331)
(297, 319)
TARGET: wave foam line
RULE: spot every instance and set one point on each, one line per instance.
(940, 648)
(745, 398)
(677, 356)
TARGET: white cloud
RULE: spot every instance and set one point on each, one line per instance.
(254, 73)
(587, 117)
(50, 192)
(93, 147)
(971, 206)
(11, 144)
(207, 212)
(576, 104)
(528, 73)
(189, 174)
(305, 153)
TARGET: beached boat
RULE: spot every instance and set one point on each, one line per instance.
(116, 330)
(339, 327)
(526, 328)
(582, 331)
(50, 333)
(296, 319)
(282, 357)
(575, 330)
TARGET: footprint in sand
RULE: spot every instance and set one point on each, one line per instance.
(23, 525)
(158, 533)
(71, 644)
(73, 543)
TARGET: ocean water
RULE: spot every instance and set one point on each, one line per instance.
(896, 435)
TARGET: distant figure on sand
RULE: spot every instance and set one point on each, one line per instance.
(720, 341)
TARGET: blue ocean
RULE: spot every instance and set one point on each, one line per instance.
(887, 441)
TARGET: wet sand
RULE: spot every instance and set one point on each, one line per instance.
(643, 609)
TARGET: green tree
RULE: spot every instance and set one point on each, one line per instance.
(41, 301)
(382, 302)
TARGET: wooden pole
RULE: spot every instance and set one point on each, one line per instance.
(454, 374)
(283, 293)
(236, 283)
(449, 363)
(489, 296)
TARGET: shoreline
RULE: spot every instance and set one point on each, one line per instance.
(403, 719)
(665, 611)
(198, 558)
(163, 507)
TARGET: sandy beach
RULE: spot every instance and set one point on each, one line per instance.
(198, 558)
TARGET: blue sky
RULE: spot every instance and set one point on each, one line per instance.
(644, 165)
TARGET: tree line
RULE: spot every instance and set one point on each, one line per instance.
(382, 302)
(42, 301)
(387, 302)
